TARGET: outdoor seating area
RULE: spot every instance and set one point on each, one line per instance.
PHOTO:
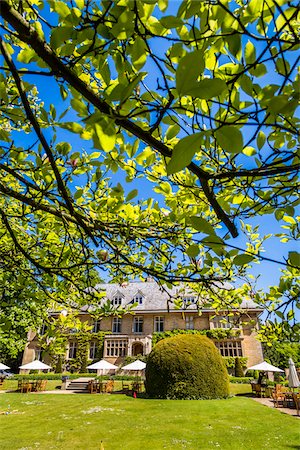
(108, 386)
(100, 386)
(25, 386)
(282, 396)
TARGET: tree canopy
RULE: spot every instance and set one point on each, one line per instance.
(195, 99)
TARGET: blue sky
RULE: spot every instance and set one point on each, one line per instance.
(269, 272)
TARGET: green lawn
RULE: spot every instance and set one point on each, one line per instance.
(71, 422)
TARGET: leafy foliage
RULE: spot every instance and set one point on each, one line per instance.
(214, 333)
(186, 366)
(280, 352)
(177, 100)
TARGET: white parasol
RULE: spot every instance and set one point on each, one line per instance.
(293, 376)
(265, 367)
(3, 367)
(102, 365)
(35, 365)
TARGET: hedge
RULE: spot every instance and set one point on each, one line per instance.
(186, 366)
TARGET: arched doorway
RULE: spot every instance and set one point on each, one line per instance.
(137, 349)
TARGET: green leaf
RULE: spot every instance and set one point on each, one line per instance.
(189, 69)
(278, 104)
(61, 8)
(105, 134)
(250, 53)
(78, 193)
(171, 22)
(183, 152)
(202, 225)
(249, 151)
(230, 139)
(207, 88)
(131, 195)
(26, 55)
(261, 139)
(95, 155)
(138, 53)
(294, 258)
(79, 4)
(241, 260)
(193, 250)
(72, 126)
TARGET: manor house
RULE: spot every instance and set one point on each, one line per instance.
(132, 334)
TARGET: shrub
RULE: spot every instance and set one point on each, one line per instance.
(238, 370)
(241, 380)
(186, 367)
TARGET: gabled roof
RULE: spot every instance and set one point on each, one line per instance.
(156, 298)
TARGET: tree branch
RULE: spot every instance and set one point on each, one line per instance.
(28, 35)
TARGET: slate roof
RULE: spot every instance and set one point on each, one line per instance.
(156, 298)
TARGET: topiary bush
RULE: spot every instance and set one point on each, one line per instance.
(238, 370)
(186, 367)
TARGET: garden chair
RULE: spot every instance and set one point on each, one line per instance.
(296, 398)
(26, 387)
(109, 386)
(92, 387)
(278, 396)
(42, 385)
(256, 390)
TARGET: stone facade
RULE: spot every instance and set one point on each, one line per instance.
(132, 334)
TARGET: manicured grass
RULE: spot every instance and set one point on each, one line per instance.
(78, 421)
(13, 385)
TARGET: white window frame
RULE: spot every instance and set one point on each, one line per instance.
(116, 325)
(189, 322)
(93, 350)
(189, 300)
(116, 348)
(230, 348)
(72, 351)
(159, 324)
(139, 299)
(96, 326)
(226, 322)
(138, 325)
(117, 300)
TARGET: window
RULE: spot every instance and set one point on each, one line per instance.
(189, 300)
(189, 322)
(117, 300)
(116, 325)
(226, 322)
(138, 298)
(138, 324)
(72, 350)
(96, 326)
(116, 347)
(159, 323)
(38, 354)
(43, 329)
(93, 350)
(230, 348)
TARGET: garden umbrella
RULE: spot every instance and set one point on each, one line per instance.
(265, 367)
(293, 377)
(102, 365)
(135, 366)
(3, 367)
(35, 365)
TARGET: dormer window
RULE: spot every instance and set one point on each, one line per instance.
(138, 298)
(117, 301)
(189, 299)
